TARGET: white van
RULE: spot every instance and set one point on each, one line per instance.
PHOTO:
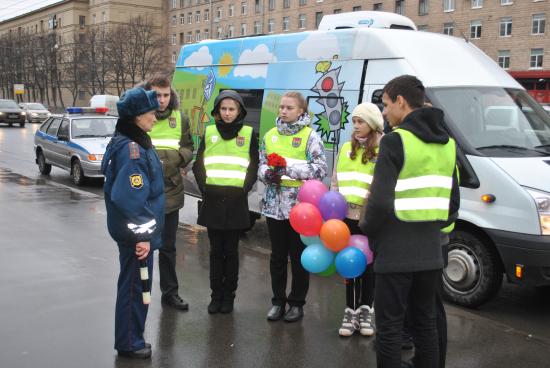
(108, 101)
(502, 133)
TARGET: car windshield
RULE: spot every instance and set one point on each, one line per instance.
(7, 104)
(35, 106)
(93, 127)
(496, 121)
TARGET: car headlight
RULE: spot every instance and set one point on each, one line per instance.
(542, 201)
(93, 157)
(34, 114)
(1, 113)
(23, 113)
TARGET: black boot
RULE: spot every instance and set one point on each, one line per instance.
(227, 303)
(214, 306)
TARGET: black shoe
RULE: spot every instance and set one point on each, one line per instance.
(276, 313)
(175, 301)
(227, 306)
(294, 314)
(214, 306)
(144, 353)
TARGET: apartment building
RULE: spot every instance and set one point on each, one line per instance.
(512, 32)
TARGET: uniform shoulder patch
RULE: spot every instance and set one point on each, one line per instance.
(133, 147)
(136, 181)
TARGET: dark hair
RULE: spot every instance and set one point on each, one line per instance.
(370, 148)
(407, 86)
(157, 81)
(216, 114)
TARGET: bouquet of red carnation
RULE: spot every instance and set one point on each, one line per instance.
(276, 161)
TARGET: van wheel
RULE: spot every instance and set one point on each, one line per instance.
(77, 173)
(474, 273)
(43, 167)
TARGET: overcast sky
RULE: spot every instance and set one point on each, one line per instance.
(12, 8)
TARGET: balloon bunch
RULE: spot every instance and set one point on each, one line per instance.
(330, 245)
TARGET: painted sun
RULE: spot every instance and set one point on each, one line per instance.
(226, 62)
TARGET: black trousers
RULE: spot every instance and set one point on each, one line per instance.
(167, 255)
(393, 292)
(286, 242)
(360, 290)
(224, 262)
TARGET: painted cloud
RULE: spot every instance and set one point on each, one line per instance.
(253, 63)
(317, 46)
(200, 57)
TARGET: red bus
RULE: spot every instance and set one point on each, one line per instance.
(536, 82)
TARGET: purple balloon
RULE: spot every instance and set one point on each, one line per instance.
(333, 205)
(312, 191)
(361, 242)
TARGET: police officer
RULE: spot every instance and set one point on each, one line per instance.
(134, 197)
(226, 169)
(410, 201)
(172, 140)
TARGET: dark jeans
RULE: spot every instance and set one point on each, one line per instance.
(286, 242)
(360, 290)
(391, 297)
(167, 255)
(224, 262)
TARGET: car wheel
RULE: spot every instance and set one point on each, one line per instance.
(474, 274)
(43, 167)
(10, 124)
(77, 173)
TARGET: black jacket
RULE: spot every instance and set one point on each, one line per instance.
(226, 208)
(404, 246)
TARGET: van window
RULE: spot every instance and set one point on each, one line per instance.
(495, 121)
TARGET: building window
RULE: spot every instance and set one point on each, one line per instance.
(356, 8)
(400, 7)
(219, 32)
(231, 11)
(448, 5)
(302, 21)
(286, 4)
(173, 39)
(505, 27)
(174, 21)
(219, 13)
(93, 19)
(302, 2)
(189, 37)
(257, 7)
(82, 21)
(286, 23)
(476, 4)
(181, 38)
(336, 11)
(197, 2)
(271, 4)
(197, 36)
(182, 3)
(173, 56)
(198, 16)
(189, 18)
(257, 27)
(104, 17)
(206, 15)
(422, 27)
(422, 7)
(448, 28)
(174, 4)
(539, 23)
(506, 2)
(243, 29)
(182, 19)
(244, 8)
(270, 25)
(231, 31)
(536, 58)
(206, 34)
(377, 7)
(318, 17)
(475, 29)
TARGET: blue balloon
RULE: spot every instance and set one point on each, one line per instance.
(351, 262)
(316, 258)
(333, 205)
(309, 240)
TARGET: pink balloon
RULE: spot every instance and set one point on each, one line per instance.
(361, 242)
(311, 192)
(306, 219)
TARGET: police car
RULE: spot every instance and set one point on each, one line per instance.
(74, 141)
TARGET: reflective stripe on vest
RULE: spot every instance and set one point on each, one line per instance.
(423, 188)
(354, 177)
(166, 133)
(226, 161)
(291, 147)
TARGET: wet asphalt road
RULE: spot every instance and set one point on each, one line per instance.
(58, 289)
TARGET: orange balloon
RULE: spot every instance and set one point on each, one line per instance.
(335, 235)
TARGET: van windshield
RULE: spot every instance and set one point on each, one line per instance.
(496, 121)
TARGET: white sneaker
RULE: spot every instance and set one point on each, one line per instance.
(365, 313)
(349, 323)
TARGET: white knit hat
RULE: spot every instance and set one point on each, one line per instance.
(371, 114)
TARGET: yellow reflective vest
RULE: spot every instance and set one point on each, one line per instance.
(166, 134)
(354, 177)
